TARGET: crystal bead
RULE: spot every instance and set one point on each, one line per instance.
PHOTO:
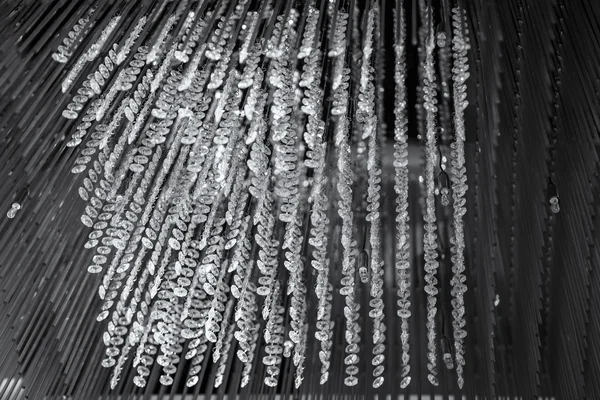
(378, 382)
(108, 362)
(350, 381)
(405, 382)
(270, 381)
(433, 380)
(193, 380)
(139, 381)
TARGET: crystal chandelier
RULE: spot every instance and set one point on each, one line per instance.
(230, 155)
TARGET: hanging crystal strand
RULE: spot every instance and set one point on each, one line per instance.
(200, 280)
(338, 44)
(184, 272)
(288, 170)
(340, 85)
(163, 237)
(124, 81)
(250, 73)
(287, 41)
(340, 78)
(96, 48)
(228, 313)
(217, 43)
(249, 27)
(224, 157)
(274, 338)
(312, 105)
(172, 347)
(223, 363)
(220, 70)
(145, 304)
(197, 345)
(319, 240)
(292, 241)
(191, 40)
(158, 214)
(131, 102)
(72, 77)
(97, 194)
(163, 70)
(147, 346)
(126, 76)
(245, 315)
(263, 237)
(216, 287)
(138, 116)
(284, 127)
(117, 203)
(88, 56)
(227, 100)
(184, 32)
(192, 67)
(74, 37)
(258, 162)
(226, 324)
(131, 39)
(247, 370)
(160, 331)
(300, 354)
(459, 187)
(401, 188)
(117, 237)
(272, 50)
(200, 129)
(270, 271)
(445, 117)
(236, 208)
(344, 186)
(376, 284)
(154, 55)
(430, 238)
(309, 37)
(91, 86)
(146, 352)
(86, 121)
(223, 54)
(174, 286)
(138, 198)
(365, 115)
(145, 150)
(100, 140)
(366, 96)
(124, 318)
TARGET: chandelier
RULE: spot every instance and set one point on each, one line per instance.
(234, 162)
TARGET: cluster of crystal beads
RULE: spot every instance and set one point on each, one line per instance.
(430, 244)
(460, 74)
(401, 187)
(218, 149)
